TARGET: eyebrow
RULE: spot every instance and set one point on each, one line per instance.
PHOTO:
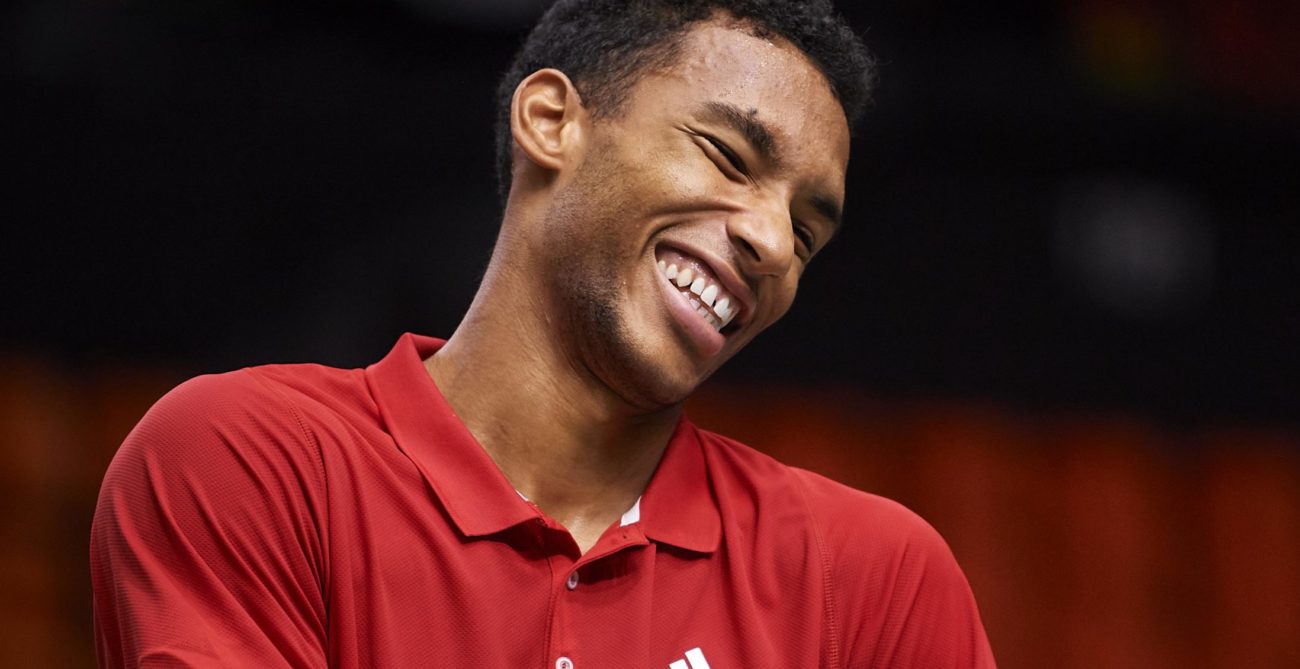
(761, 137)
(828, 207)
(751, 128)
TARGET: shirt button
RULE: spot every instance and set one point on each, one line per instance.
(564, 663)
(573, 581)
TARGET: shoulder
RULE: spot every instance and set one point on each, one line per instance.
(222, 459)
(253, 405)
(864, 524)
(219, 487)
(845, 515)
(893, 583)
(256, 423)
(236, 407)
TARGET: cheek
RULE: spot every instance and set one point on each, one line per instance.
(778, 296)
(669, 176)
(785, 293)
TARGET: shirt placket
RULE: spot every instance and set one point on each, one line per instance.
(581, 629)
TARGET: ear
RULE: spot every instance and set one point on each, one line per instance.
(547, 119)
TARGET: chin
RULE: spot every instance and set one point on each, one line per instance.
(647, 375)
(635, 355)
(645, 378)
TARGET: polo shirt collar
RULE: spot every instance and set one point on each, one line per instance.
(471, 487)
(678, 507)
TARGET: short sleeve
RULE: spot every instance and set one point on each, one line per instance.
(899, 597)
(206, 546)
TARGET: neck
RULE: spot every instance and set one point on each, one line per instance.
(561, 436)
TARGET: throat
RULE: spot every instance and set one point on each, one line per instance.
(563, 439)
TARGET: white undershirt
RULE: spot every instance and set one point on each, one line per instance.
(632, 515)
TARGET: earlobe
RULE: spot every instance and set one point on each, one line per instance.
(546, 118)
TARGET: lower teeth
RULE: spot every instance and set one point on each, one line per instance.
(708, 316)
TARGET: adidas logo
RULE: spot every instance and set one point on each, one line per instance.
(694, 660)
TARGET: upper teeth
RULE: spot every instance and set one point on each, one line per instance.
(708, 298)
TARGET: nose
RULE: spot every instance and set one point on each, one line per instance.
(763, 239)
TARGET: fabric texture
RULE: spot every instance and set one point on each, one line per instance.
(304, 516)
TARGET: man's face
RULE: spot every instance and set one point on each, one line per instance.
(685, 229)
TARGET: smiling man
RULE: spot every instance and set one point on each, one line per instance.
(529, 493)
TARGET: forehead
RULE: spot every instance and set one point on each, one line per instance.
(767, 77)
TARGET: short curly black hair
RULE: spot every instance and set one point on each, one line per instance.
(605, 45)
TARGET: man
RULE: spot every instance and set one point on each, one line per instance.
(529, 493)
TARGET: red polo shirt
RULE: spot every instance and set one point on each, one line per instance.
(304, 516)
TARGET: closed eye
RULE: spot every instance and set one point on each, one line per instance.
(733, 161)
(805, 236)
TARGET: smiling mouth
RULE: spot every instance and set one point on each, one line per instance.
(698, 286)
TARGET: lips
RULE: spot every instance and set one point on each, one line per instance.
(698, 284)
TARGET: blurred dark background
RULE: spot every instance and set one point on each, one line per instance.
(1084, 209)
